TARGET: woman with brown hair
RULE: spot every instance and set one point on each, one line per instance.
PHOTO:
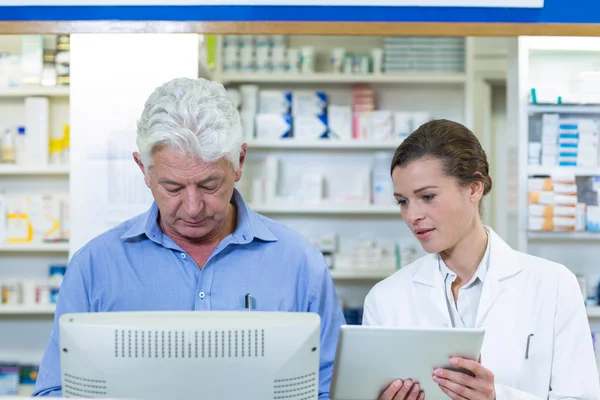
(538, 343)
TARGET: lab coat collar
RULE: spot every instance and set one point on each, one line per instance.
(503, 264)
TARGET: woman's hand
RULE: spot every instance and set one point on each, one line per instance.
(460, 386)
(400, 390)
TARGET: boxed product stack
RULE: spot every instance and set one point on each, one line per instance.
(424, 53)
(587, 193)
(300, 114)
(566, 143)
(261, 53)
(28, 292)
(274, 119)
(578, 143)
(63, 59)
(34, 218)
(309, 115)
(363, 103)
(339, 119)
(248, 95)
(554, 206)
(17, 379)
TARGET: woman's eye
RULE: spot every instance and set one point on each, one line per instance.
(401, 202)
(428, 197)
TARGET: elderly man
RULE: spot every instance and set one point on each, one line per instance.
(199, 246)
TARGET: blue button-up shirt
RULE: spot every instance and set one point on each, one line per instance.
(136, 267)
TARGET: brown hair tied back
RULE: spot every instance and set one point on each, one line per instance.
(454, 145)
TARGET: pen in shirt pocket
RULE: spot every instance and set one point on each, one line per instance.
(248, 301)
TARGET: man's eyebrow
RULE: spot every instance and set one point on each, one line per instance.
(167, 181)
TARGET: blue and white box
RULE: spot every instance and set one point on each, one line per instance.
(275, 102)
(9, 380)
(339, 121)
(310, 127)
(273, 126)
(309, 103)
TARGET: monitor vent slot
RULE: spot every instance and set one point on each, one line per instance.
(76, 386)
(247, 343)
(296, 388)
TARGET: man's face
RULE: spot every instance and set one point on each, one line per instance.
(193, 196)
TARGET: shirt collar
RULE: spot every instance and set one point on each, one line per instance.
(481, 269)
(250, 225)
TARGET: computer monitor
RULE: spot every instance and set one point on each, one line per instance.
(190, 355)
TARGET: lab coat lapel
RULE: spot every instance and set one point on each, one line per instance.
(429, 285)
(503, 265)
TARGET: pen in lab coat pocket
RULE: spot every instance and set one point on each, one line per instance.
(528, 342)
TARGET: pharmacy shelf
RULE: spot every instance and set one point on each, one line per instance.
(27, 310)
(328, 210)
(564, 108)
(324, 144)
(593, 311)
(563, 236)
(332, 78)
(577, 171)
(50, 91)
(34, 248)
(25, 170)
(360, 274)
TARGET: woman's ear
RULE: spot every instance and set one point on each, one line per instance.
(477, 189)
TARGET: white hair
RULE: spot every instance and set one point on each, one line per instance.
(194, 116)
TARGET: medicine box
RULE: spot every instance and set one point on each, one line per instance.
(309, 103)
(273, 126)
(552, 224)
(339, 119)
(307, 127)
(275, 102)
(402, 124)
(380, 125)
(9, 380)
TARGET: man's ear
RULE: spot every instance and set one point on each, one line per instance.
(138, 161)
(238, 173)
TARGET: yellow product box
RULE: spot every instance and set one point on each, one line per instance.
(549, 211)
(552, 224)
(540, 184)
(565, 188)
(33, 219)
(541, 197)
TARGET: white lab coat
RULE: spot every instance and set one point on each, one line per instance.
(521, 295)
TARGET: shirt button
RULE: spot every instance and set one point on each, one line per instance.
(183, 256)
(201, 295)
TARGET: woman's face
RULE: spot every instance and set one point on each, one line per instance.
(437, 209)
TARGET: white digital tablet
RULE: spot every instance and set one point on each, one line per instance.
(369, 358)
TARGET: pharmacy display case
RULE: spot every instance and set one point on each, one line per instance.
(556, 113)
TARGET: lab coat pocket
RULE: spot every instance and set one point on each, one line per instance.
(536, 361)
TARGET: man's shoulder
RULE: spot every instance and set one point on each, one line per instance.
(111, 237)
(286, 236)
